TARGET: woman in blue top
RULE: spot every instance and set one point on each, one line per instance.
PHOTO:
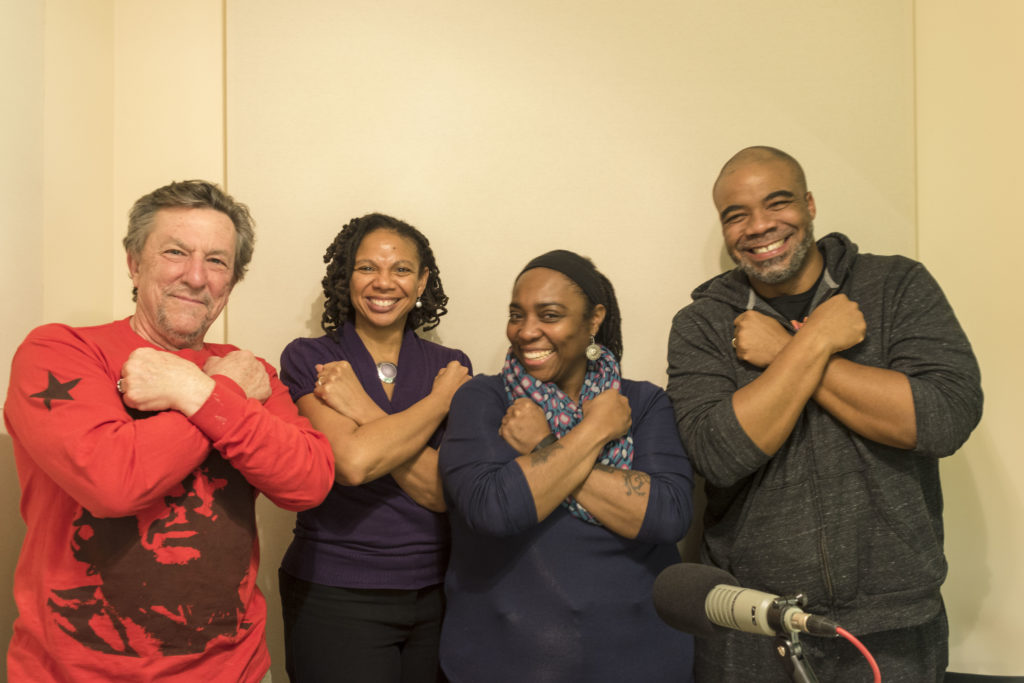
(568, 490)
(361, 582)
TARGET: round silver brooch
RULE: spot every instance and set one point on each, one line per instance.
(387, 372)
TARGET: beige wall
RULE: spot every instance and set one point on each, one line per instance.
(21, 239)
(506, 130)
(501, 131)
(970, 59)
(78, 119)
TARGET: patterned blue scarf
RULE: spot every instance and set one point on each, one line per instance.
(563, 413)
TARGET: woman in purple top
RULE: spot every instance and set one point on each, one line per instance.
(568, 490)
(361, 581)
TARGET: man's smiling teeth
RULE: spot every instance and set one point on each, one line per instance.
(537, 355)
(770, 247)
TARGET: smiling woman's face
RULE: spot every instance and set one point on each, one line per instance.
(547, 328)
(386, 279)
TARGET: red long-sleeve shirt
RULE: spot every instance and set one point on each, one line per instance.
(140, 555)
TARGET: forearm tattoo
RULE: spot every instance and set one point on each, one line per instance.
(541, 456)
(636, 483)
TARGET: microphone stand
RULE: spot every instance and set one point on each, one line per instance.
(788, 645)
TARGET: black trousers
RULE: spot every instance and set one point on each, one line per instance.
(360, 635)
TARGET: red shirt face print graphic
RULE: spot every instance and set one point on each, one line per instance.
(177, 532)
(169, 578)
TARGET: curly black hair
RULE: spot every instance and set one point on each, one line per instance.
(340, 259)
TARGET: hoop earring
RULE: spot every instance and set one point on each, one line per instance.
(593, 351)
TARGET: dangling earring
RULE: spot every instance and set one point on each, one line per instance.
(593, 351)
(419, 302)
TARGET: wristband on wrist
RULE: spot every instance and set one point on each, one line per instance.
(546, 441)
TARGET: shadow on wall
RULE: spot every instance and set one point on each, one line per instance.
(314, 327)
(965, 526)
(10, 521)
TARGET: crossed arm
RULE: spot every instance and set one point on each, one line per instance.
(875, 403)
(114, 463)
(369, 443)
(616, 498)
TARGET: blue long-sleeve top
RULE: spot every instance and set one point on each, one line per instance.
(562, 599)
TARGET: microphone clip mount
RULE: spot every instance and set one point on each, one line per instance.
(788, 647)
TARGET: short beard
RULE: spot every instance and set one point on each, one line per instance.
(769, 274)
(183, 340)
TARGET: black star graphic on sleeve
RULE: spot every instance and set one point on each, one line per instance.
(56, 390)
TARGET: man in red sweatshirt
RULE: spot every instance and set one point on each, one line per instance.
(140, 451)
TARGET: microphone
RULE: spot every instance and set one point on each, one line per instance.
(700, 599)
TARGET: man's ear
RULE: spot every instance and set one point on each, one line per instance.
(133, 266)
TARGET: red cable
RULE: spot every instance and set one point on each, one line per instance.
(863, 650)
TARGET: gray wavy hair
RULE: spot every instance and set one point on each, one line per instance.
(195, 194)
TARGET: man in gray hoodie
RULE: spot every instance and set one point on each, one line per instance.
(815, 389)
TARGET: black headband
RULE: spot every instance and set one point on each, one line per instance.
(573, 266)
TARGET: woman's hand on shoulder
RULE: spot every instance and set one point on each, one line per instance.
(448, 380)
(338, 387)
(524, 425)
(609, 411)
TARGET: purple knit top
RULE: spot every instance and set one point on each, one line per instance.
(374, 535)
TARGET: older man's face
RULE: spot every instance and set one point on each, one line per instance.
(184, 276)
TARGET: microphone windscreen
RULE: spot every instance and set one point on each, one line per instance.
(679, 593)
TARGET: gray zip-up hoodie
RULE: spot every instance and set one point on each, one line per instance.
(851, 523)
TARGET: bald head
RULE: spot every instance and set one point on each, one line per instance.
(767, 218)
(758, 155)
